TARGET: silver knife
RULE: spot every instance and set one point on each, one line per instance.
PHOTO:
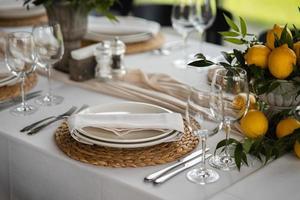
(155, 175)
(16, 100)
(187, 165)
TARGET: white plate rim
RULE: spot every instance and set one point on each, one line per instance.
(131, 103)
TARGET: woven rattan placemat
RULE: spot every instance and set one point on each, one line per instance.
(138, 47)
(26, 21)
(14, 90)
(115, 157)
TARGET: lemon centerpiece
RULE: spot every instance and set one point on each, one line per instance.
(273, 70)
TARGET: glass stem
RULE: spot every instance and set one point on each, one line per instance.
(49, 81)
(227, 128)
(184, 49)
(203, 147)
(22, 89)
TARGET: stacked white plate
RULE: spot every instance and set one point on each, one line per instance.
(6, 78)
(134, 139)
(128, 29)
(15, 9)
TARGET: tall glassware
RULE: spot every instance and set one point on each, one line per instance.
(20, 59)
(180, 21)
(204, 124)
(233, 82)
(203, 14)
(50, 49)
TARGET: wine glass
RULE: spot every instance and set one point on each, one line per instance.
(49, 49)
(180, 21)
(202, 15)
(20, 59)
(233, 82)
(203, 123)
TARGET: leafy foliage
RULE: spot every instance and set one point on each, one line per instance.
(101, 6)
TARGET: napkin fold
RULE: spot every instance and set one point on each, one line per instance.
(122, 124)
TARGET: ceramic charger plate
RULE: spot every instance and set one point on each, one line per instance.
(132, 140)
(15, 9)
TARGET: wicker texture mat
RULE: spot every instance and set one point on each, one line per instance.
(27, 21)
(115, 157)
(14, 90)
(138, 47)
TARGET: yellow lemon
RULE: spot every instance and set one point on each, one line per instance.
(281, 61)
(239, 101)
(286, 127)
(254, 124)
(297, 149)
(258, 55)
(277, 30)
(296, 49)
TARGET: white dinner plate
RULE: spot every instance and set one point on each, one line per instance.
(127, 108)
(9, 79)
(15, 9)
(128, 29)
(78, 136)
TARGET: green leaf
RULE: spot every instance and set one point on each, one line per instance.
(272, 86)
(239, 56)
(228, 56)
(229, 34)
(231, 24)
(234, 40)
(247, 144)
(238, 153)
(200, 56)
(243, 27)
(201, 63)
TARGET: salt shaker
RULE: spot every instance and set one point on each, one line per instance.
(117, 64)
(103, 54)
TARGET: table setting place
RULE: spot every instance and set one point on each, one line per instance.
(199, 125)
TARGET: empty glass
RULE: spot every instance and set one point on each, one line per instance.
(49, 45)
(180, 22)
(233, 82)
(203, 123)
(203, 14)
(20, 59)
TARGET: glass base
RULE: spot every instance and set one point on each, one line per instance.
(180, 63)
(202, 177)
(49, 100)
(222, 162)
(23, 110)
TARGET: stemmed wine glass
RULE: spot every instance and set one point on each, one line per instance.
(233, 82)
(203, 14)
(203, 123)
(20, 59)
(180, 21)
(49, 49)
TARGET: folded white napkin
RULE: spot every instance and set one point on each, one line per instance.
(122, 124)
(124, 25)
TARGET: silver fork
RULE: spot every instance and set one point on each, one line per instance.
(36, 129)
(31, 126)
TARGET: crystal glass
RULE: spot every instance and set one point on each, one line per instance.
(203, 14)
(203, 123)
(20, 59)
(233, 82)
(49, 49)
(180, 21)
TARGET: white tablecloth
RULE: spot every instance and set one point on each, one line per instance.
(33, 168)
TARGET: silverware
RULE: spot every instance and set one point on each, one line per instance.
(31, 126)
(43, 125)
(152, 177)
(187, 165)
(16, 100)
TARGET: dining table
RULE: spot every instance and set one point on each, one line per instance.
(34, 168)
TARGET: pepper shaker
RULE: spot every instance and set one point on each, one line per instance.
(103, 54)
(117, 64)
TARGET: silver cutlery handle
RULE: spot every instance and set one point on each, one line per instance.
(42, 126)
(166, 177)
(31, 126)
(155, 175)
